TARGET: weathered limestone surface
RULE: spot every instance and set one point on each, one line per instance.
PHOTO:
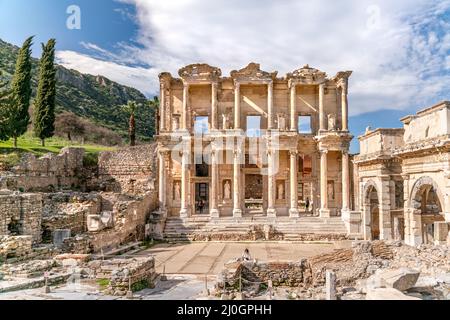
(387, 294)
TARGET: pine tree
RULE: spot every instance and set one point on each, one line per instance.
(131, 109)
(44, 107)
(19, 117)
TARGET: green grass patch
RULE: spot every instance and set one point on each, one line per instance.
(29, 144)
(103, 283)
(140, 285)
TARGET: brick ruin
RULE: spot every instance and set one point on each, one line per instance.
(59, 202)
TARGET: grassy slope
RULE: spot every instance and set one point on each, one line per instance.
(29, 144)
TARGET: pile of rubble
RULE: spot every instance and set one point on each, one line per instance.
(369, 270)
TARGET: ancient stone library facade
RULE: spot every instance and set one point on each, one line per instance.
(254, 147)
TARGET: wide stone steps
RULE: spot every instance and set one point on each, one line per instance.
(292, 229)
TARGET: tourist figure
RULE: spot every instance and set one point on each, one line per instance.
(201, 205)
(307, 204)
(246, 255)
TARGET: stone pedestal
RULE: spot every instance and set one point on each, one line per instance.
(325, 213)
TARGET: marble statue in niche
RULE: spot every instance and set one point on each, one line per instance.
(281, 191)
(177, 191)
(281, 121)
(225, 121)
(331, 121)
(227, 190)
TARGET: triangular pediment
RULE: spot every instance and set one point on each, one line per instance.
(253, 72)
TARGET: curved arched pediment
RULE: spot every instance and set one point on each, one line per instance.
(253, 72)
(418, 188)
(200, 71)
(307, 75)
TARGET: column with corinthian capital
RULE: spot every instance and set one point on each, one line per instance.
(324, 211)
(185, 187)
(293, 212)
(214, 181)
(237, 208)
(162, 154)
(184, 111)
(271, 210)
(293, 106)
(270, 105)
(344, 98)
(214, 122)
(237, 105)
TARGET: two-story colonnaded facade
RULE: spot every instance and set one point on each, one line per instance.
(272, 146)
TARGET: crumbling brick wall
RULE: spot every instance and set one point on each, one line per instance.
(129, 170)
(21, 214)
(48, 173)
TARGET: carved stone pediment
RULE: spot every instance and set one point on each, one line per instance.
(200, 72)
(341, 78)
(307, 75)
(253, 72)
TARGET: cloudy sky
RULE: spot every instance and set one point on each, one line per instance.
(399, 50)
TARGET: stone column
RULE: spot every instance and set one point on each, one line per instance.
(185, 187)
(214, 122)
(162, 182)
(214, 181)
(271, 211)
(385, 209)
(293, 107)
(322, 106)
(345, 181)
(162, 109)
(237, 105)
(237, 209)
(184, 112)
(344, 97)
(324, 211)
(270, 105)
(293, 212)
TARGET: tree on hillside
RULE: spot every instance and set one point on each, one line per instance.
(5, 103)
(69, 125)
(19, 117)
(154, 107)
(131, 108)
(44, 109)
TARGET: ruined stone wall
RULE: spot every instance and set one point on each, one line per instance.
(68, 210)
(129, 170)
(21, 214)
(48, 173)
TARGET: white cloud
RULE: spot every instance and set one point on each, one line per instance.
(397, 49)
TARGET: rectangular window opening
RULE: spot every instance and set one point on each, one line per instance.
(304, 125)
(253, 126)
(201, 125)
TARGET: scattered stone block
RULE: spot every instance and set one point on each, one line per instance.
(387, 294)
(400, 279)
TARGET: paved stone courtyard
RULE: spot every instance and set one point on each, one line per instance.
(210, 257)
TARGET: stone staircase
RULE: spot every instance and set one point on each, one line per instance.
(177, 229)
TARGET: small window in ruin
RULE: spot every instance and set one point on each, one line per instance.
(304, 125)
(201, 125)
(253, 126)
(14, 227)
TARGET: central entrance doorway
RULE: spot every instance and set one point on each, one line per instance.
(254, 194)
(202, 198)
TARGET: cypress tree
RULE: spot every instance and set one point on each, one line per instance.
(5, 104)
(19, 117)
(131, 109)
(44, 107)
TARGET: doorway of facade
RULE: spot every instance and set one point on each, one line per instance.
(202, 198)
(254, 193)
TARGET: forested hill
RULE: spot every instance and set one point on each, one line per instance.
(93, 97)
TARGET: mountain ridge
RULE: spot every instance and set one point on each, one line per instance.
(96, 98)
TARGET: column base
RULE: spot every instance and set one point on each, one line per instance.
(294, 213)
(325, 213)
(214, 213)
(184, 213)
(271, 213)
(237, 213)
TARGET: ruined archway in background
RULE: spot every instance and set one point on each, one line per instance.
(426, 207)
(371, 206)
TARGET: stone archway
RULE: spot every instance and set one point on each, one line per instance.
(425, 209)
(371, 212)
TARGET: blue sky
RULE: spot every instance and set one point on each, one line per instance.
(399, 50)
